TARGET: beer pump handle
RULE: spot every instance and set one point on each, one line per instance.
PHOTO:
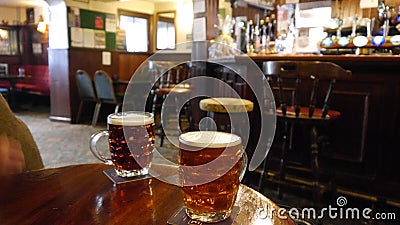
(93, 142)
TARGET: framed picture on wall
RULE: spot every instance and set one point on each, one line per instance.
(30, 16)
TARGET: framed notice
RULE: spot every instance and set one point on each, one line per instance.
(199, 29)
(199, 6)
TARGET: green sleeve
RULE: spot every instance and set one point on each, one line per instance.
(16, 129)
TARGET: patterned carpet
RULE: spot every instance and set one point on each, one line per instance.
(63, 144)
(59, 143)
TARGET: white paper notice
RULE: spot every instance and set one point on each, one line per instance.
(315, 17)
(106, 58)
(88, 38)
(37, 48)
(99, 39)
(199, 29)
(368, 4)
(199, 6)
(77, 11)
(76, 37)
(111, 23)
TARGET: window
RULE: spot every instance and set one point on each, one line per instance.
(165, 34)
(8, 42)
(137, 30)
(3, 69)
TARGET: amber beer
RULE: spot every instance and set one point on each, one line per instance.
(131, 142)
(210, 167)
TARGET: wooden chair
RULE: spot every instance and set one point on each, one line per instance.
(85, 89)
(167, 84)
(303, 92)
(105, 93)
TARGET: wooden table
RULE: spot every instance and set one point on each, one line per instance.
(82, 194)
(12, 80)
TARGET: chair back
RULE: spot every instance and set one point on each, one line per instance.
(174, 75)
(104, 87)
(232, 82)
(85, 86)
(304, 83)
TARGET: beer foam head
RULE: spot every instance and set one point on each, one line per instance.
(131, 118)
(209, 139)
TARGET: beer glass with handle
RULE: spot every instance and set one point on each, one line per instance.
(131, 142)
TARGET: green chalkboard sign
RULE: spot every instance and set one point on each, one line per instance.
(91, 29)
(92, 19)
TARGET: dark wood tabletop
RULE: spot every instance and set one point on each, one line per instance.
(82, 194)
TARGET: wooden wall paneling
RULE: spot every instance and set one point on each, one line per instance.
(250, 12)
(391, 129)
(387, 182)
(11, 59)
(89, 60)
(26, 44)
(211, 19)
(351, 8)
(355, 144)
(29, 36)
(393, 154)
(128, 63)
(365, 140)
(60, 107)
(352, 127)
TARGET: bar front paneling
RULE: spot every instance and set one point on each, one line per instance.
(365, 140)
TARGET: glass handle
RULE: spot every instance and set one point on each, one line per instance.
(93, 142)
(244, 166)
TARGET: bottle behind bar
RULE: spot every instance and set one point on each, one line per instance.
(250, 40)
(272, 27)
(263, 35)
(243, 38)
(257, 40)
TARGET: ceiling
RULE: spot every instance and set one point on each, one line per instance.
(35, 3)
(22, 3)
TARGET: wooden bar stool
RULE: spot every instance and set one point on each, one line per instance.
(220, 109)
(303, 92)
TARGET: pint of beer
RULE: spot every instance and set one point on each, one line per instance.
(131, 142)
(210, 168)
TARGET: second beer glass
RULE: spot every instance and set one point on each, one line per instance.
(211, 164)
